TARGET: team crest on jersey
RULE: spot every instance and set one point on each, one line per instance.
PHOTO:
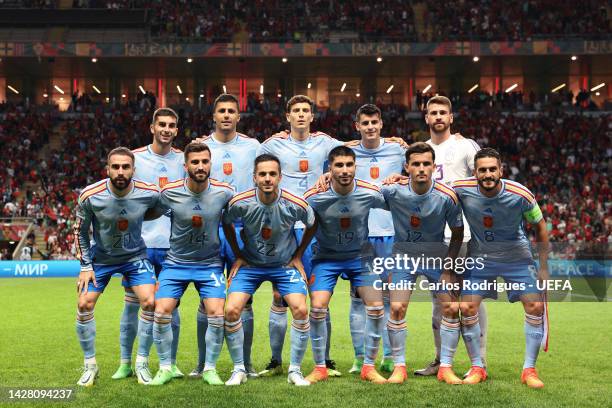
(162, 181)
(196, 221)
(487, 221)
(415, 222)
(227, 168)
(374, 172)
(266, 232)
(122, 224)
(303, 165)
(345, 222)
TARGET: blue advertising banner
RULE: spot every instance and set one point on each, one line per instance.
(39, 269)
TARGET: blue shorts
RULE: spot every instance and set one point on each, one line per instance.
(383, 248)
(134, 274)
(325, 274)
(285, 280)
(403, 275)
(157, 256)
(174, 278)
(522, 275)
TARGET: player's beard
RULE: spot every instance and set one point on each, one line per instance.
(120, 182)
(198, 177)
(481, 183)
(340, 179)
(158, 139)
(437, 129)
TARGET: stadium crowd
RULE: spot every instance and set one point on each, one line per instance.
(388, 20)
(545, 151)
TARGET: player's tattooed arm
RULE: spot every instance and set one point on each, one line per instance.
(543, 248)
(296, 260)
(395, 178)
(456, 240)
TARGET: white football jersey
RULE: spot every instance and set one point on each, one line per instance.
(454, 161)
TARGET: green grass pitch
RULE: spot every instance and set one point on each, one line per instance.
(39, 348)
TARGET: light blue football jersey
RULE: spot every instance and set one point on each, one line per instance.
(343, 220)
(232, 162)
(195, 221)
(302, 162)
(497, 223)
(267, 231)
(117, 223)
(159, 170)
(373, 165)
(420, 219)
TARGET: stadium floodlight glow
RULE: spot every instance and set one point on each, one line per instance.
(476, 58)
(389, 89)
(558, 88)
(62, 98)
(13, 89)
(511, 88)
(427, 88)
(45, 95)
(142, 90)
(187, 99)
(107, 99)
(574, 58)
(596, 87)
(261, 89)
(309, 85)
(285, 60)
(343, 87)
(60, 90)
(123, 95)
(472, 89)
(279, 94)
(597, 94)
(189, 60)
(358, 94)
(95, 88)
(201, 95)
(94, 60)
(224, 89)
(178, 88)
(379, 59)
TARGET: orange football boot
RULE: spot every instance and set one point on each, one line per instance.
(318, 374)
(475, 375)
(447, 375)
(369, 373)
(531, 379)
(399, 375)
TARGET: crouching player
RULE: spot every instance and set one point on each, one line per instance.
(270, 253)
(495, 209)
(196, 204)
(115, 207)
(421, 208)
(341, 249)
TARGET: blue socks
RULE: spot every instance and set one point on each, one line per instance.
(163, 338)
(86, 333)
(449, 338)
(397, 332)
(247, 327)
(176, 329)
(201, 326)
(357, 325)
(145, 332)
(277, 328)
(534, 331)
(300, 330)
(373, 329)
(234, 336)
(471, 337)
(319, 335)
(214, 341)
(128, 326)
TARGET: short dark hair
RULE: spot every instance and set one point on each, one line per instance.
(264, 158)
(420, 147)
(165, 112)
(300, 99)
(487, 152)
(225, 97)
(368, 109)
(196, 147)
(120, 151)
(440, 100)
(340, 151)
